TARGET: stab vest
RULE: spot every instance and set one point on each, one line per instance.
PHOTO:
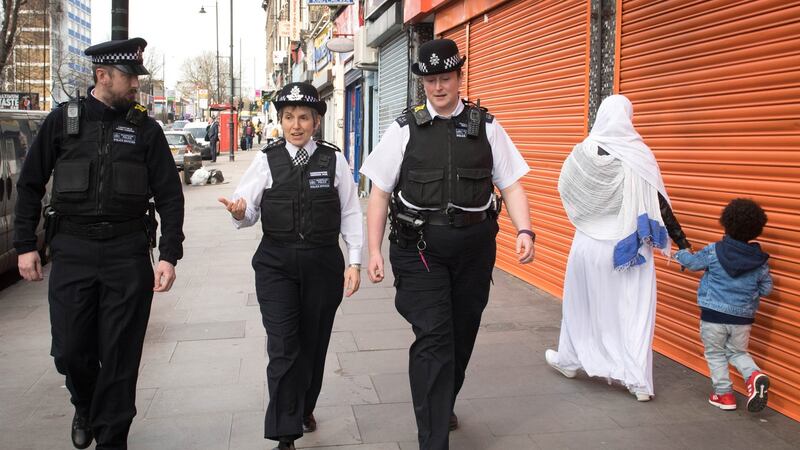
(301, 209)
(442, 165)
(102, 171)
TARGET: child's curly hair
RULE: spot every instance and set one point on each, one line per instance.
(743, 219)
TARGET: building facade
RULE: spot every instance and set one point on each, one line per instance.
(48, 58)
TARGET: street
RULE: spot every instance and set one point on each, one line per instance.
(202, 377)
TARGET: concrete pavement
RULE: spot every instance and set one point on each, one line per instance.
(202, 382)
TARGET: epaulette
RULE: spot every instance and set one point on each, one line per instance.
(421, 114)
(136, 114)
(274, 144)
(469, 103)
(333, 147)
(489, 117)
(402, 120)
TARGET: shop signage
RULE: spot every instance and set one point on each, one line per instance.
(19, 100)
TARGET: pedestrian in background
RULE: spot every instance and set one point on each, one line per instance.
(306, 197)
(249, 133)
(259, 130)
(736, 277)
(107, 158)
(213, 138)
(273, 131)
(435, 168)
(613, 193)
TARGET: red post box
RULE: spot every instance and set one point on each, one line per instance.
(226, 143)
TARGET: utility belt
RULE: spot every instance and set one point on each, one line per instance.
(407, 225)
(454, 219)
(100, 231)
(55, 223)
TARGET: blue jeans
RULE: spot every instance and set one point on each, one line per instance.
(726, 344)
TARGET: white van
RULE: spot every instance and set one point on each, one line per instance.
(198, 130)
(17, 131)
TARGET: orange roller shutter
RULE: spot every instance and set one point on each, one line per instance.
(715, 87)
(527, 64)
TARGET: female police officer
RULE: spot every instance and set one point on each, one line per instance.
(438, 164)
(306, 196)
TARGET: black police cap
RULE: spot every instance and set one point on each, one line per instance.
(438, 56)
(300, 94)
(126, 55)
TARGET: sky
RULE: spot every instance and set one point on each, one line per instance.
(176, 29)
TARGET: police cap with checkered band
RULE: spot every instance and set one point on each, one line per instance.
(300, 94)
(438, 56)
(126, 55)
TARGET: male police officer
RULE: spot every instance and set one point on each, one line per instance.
(108, 158)
(437, 164)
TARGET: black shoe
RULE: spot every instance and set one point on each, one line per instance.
(285, 446)
(453, 422)
(81, 432)
(309, 423)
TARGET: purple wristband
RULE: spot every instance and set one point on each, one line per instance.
(528, 232)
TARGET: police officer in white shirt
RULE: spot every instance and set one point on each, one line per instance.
(305, 194)
(435, 168)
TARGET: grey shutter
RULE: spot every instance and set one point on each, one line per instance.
(392, 81)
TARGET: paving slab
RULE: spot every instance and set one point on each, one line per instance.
(347, 390)
(203, 331)
(384, 339)
(373, 362)
(191, 373)
(190, 431)
(206, 399)
(540, 414)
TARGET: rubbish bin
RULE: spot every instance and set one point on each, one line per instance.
(191, 163)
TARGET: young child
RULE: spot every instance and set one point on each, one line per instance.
(736, 277)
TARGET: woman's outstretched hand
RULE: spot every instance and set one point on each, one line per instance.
(236, 207)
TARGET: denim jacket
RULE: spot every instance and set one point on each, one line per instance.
(719, 291)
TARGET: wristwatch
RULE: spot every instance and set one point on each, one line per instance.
(355, 266)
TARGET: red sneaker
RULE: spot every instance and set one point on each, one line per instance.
(724, 401)
(757, 386)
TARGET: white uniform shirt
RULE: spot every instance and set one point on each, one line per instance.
(383, 164)
(259, 177)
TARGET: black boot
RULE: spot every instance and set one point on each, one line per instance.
(453, 422)
(285, 446)
(82, 435)
(309, 423)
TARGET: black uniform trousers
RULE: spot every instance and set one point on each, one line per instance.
(100, 295)
(444, 306)
(298, 292)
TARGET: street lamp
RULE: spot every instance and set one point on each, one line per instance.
(230, 124)
(216, 16)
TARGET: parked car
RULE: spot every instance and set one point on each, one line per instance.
(17, 128)
(198, 130)
(179, 124)
(181, 143)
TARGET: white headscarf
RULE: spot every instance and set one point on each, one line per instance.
(615, 197)
(613, 131)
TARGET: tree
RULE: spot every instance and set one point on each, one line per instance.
(200, 72)
(8, 33)
(153, 62)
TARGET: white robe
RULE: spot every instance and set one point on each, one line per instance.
(608, 315)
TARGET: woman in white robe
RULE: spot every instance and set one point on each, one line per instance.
(613, 193)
